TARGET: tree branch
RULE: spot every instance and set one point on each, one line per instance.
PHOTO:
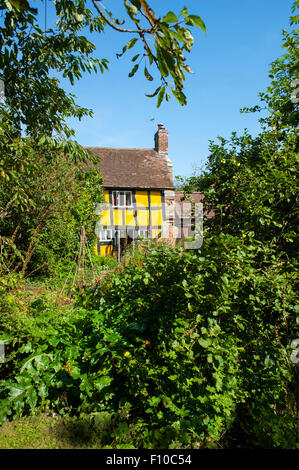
(117, 28)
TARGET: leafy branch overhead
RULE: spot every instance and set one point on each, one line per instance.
(165, 41)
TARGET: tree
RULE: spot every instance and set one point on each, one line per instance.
(251, 184)
(37, 107)
(44, 201)
(252, 180)
(29, 54)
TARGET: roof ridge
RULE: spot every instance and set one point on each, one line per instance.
(118, 148)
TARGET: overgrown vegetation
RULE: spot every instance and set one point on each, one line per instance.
(45, 201)
(178, 349)
(173, 358)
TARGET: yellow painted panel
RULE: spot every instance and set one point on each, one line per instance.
(156, 217)
(141, 199)
(143, 217)
(106, 250)
(154, 233)
(118, 216)
(105, 218)
(130, 221)
(156, 199)
(106, 195)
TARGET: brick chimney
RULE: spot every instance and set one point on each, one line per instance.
(161, 140)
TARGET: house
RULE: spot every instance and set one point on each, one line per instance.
(139, 195)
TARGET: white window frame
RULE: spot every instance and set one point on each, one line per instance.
(117, 197)
(106, 235)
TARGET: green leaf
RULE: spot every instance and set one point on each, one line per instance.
(17, 390)
(198, 22)
(173, 377)
(204, 343)
(42, 390)
(41, 361)
(162, 63)
(134, 70)
(136, 3)
(170, 18)
(129, 45)
(153, 94)
(154, 401)
(168, 59)
(102, 383)
(184, 11)
(32, 398)
(20, 5)
(148, 75)
(180, 96)
(132, 10)
(160, 96)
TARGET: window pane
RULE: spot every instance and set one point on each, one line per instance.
(105, 235)
(115, 198)
(121, 199)
(110, 234)
(128, 198)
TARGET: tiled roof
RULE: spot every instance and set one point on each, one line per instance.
(134, 168)
(194, 197)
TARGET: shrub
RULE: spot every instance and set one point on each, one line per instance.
(164, 344)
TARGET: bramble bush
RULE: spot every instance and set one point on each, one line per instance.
(163, 346)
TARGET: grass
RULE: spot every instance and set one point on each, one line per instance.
(47, 432)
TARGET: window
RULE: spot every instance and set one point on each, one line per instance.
(122, 198)
(106, 235)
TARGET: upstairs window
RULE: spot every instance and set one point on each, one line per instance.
(122, 198)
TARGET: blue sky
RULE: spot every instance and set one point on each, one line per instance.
(230, 65)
